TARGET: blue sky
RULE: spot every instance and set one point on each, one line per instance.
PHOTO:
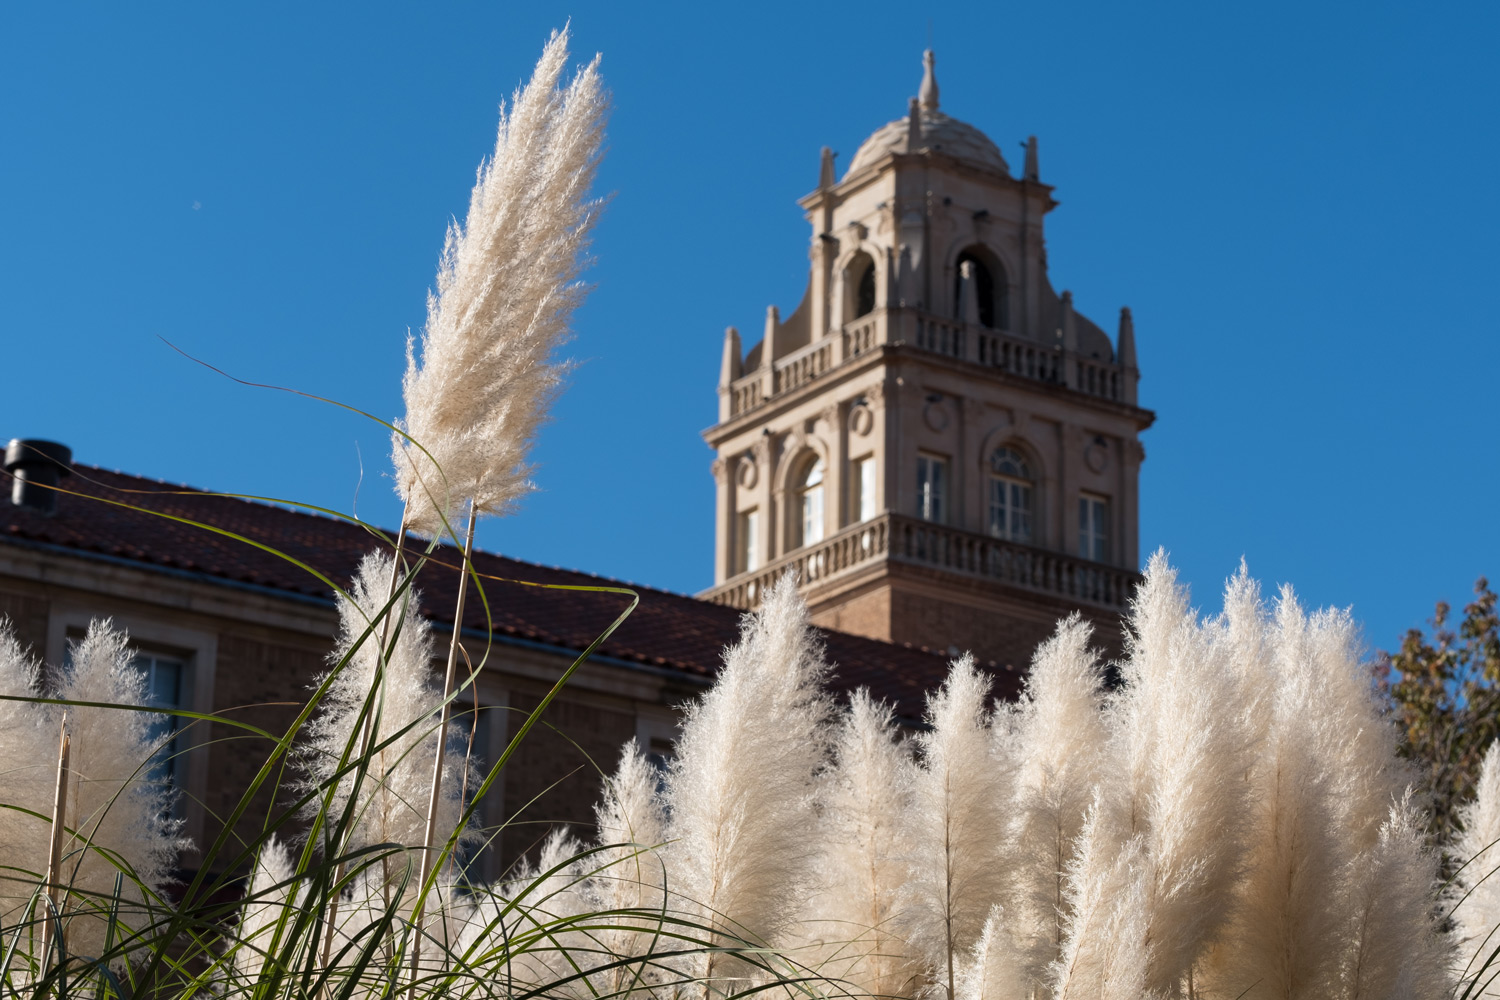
(1297, 201)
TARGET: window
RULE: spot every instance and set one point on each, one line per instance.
(1093, 527)
(163, 676)
(749, 541)
(1012, 488)
(811, 498)
(989, 294)
(861, 274)
(862, 504)
(866, 300)
(932, 488)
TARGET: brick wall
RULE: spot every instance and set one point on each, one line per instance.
(256, 679)
(559, 766)
(28, 615)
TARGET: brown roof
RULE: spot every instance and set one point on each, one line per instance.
(110, 514)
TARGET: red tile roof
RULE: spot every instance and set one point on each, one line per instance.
(669, 631)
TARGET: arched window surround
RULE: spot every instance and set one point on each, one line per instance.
(997, 314)
(788, 484)
(1012, 495)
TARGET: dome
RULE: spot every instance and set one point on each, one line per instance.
(940, 133)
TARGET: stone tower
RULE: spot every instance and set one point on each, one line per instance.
(940, 446)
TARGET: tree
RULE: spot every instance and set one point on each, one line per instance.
(1445, 696)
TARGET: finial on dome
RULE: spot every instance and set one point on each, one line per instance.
(929, 91)
(913, 126)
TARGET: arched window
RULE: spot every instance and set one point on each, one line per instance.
(861, 276)
(989, 293)
(810, 500)
(1012, 492)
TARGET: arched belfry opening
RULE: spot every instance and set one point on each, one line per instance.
(860, 276)
(990, 289)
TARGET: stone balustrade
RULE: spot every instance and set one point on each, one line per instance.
(1019, 356)
(899, 538)
(803, 365)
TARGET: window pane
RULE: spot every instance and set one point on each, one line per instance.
(865, 480)
(749, 541)
(932, 488)
(812, 515)
(163, 683)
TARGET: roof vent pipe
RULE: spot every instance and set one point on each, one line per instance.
(36, 466)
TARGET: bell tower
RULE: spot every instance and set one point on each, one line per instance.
(940, 446)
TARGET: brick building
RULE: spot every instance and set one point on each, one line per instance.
(226, 627)
(940, 446)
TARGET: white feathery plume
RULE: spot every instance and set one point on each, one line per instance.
(739, 790)
(994, 971)
(1477, 849)
(506, 289)
(1396, 950)
(1185, 744)
(28, 736)
(526, 922)
(1358, 743)
(628, 881)
(1058, 731)
(392, 795)
(957, 869)
(271, 898)
(1285, 930)
(854, 918)
(115, 806)
(1105, 952)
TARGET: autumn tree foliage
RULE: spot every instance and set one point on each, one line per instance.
(1444, 690)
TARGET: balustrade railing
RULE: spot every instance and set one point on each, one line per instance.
(909, 540)
(803, 365)
(855, 545)
(1007, 352)
(940, 336)
(859, 337)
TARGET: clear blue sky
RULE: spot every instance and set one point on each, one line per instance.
(1299, 202)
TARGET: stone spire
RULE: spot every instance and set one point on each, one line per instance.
(825, 170)
(929, 92)
(1125, 349)
(1032, 171)
(913, 127)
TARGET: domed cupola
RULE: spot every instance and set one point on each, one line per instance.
(934, 131)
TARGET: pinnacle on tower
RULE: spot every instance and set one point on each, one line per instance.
(929, 92)
(825, 170)
(913, 127)
(1125, 349)
(1032, 171)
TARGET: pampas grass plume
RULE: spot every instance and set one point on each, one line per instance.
(1477, 850)
(506, 289)
(854, 919)
(739, 791)
(1187, 744)
(1058, 733)
(957, 868)
(391, 797)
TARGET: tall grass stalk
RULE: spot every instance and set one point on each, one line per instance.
(54, 851)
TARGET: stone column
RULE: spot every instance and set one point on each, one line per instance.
(834, 432)
(726, 526)
(971, 514)
(1069, 455)
(1133, 453)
